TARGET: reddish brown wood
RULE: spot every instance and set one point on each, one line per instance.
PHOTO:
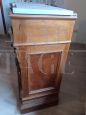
(43, 70)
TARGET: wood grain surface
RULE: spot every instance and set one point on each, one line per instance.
(42, 44)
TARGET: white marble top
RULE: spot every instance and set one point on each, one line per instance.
(40, 9)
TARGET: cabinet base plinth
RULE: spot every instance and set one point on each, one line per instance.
(38, 103)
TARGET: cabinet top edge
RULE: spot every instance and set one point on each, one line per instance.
(74, 17)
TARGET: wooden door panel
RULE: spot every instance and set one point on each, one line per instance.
(31, 59)
(42, 71)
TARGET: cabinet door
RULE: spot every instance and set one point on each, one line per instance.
(41, 69)
(42, 72)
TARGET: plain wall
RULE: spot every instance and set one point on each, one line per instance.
(6, 10)
(78, 6)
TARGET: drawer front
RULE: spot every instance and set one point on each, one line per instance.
(41, 31)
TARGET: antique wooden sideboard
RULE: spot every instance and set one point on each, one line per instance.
(42, 43)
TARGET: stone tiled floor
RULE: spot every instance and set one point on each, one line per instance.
(72, 95)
